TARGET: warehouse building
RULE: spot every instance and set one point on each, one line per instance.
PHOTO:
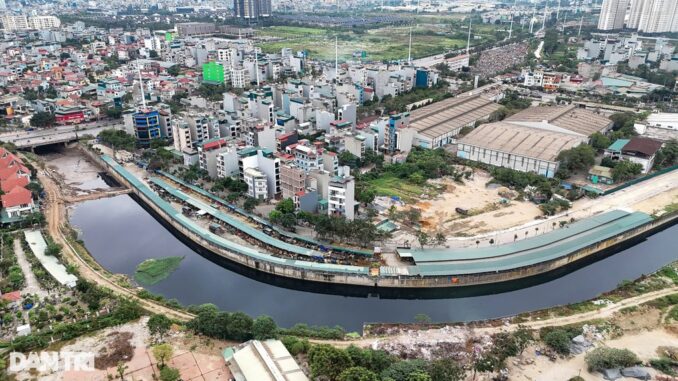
(517, 147)
(437, 124)
(531, 140)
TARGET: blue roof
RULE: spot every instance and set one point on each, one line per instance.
(618, 145)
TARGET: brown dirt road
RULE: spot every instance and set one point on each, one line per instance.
(55, 215)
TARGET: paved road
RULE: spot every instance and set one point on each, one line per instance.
(32, 284)
(59, 134)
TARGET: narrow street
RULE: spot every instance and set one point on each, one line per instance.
(32, 284)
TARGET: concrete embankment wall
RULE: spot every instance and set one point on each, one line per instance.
(402, 281)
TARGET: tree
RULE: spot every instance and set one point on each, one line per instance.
(328, 361)
(401, 370)
(264, 328)
(162, 353)
(626, 170)
(523, 337)
(240, 326)
(357, 373)
(250, 204)
(43, 119)
(120, 369)
(440, 239)
(418, 376)
(423, 238)
(667, 156)
(159, 325)
(445, 370)
(153, 54)
(600, 141)
(606, 358)
(169, 374)
(174, 70)
(285, 206)
(64, 56)
(578, 158)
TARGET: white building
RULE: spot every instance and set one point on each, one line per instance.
(663, 120)
(654, 16)
(264, 161)
(257, 183)
(208, 153)
(612, 14)
(341, 198)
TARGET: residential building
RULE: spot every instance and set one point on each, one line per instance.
(257, 183)
(208, 153)
(654, 16)
(227, 162)
(612, 14)
(266, 162)
(252, 9)
(213, 72)
(307, 156)
(292, 180)
(642, 151)
(341, 198)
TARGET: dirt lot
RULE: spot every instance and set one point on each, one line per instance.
(74, 171)
(539, 368)
(486, 211)
(196, 358)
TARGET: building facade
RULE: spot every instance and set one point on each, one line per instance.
(612, 14)
(146, 127)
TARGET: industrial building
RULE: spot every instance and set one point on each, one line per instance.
(531, 140)
(437, 124)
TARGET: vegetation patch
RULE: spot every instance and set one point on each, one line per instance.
(152, 271)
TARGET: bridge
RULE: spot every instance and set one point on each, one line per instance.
(56, 135)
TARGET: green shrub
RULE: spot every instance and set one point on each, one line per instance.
(558, 340)
(607, 358)
(665, 365)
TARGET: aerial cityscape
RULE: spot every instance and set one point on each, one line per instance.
(323, 190)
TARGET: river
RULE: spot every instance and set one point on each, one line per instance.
(120, 234)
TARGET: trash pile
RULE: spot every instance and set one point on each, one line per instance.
(434, 344)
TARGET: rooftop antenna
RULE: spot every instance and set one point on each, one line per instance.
(409, 51)
(468, 42)
(336, 57)
(581, 21)
(141, 86)
(534, 12)
(543, 24)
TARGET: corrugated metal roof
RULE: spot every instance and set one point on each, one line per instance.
(222, 242)
(546, 247)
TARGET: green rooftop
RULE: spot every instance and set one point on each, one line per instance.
(618, 145)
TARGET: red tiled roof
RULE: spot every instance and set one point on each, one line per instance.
(646, 146)
(11, 296)
(6, 173)
(13, 182)
(17, 196)
(212, 145)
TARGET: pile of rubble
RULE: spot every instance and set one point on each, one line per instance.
(433, 344)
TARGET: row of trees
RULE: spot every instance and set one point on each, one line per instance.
(209, 321)
(355, 364)
(118, 139)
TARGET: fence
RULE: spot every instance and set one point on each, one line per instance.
(640, 179)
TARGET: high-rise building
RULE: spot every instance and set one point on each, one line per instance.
(252, 9)
(653, 16)
(612, 14)
(146, 127)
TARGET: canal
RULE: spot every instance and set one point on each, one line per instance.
(120, 234)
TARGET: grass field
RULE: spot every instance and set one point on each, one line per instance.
(380, 44)
(389, 186)
(152, 271)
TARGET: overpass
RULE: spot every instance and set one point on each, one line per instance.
(56, 135)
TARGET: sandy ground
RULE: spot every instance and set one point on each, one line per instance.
(196, 358)
(644, 344)
(488, 213)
